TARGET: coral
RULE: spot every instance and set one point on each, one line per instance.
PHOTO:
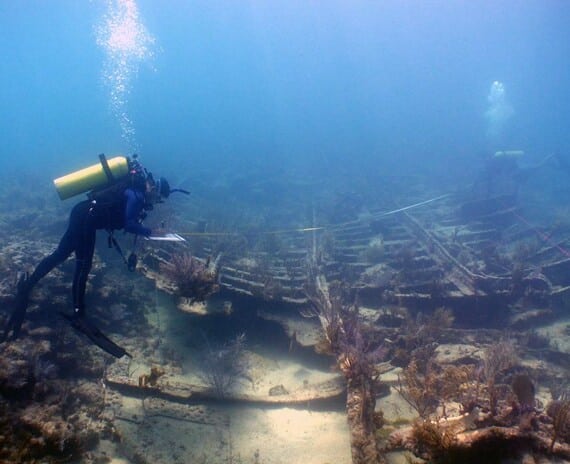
(418, 337)
(149, 380)
(496, 359)
(454, 383)
(223, 366)
(425, 385)
(39, 430)
(523, 387)
(432, 438)
(193, 278)
(346, 337)
(328, 311)
(428, 329)
(419, 388)
(559, 411)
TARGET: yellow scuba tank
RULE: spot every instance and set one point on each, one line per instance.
(106, 171)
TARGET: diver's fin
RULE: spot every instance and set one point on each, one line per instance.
(81, 324)
(18, 315)
(14, 324)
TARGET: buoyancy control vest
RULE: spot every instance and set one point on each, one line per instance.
(108, 198)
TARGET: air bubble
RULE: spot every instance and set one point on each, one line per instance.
(126, 43)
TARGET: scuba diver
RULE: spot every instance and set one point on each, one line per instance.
(121, 203)
(498, 183)
(500, 175)
(503, 175)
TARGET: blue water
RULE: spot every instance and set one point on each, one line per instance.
(374, 85)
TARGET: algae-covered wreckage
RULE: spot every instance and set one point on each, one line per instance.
(418, 282)
(473, 257)
(444, 323)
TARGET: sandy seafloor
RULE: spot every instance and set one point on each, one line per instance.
(161, 431)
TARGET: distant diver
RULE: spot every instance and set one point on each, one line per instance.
(121, 193)
(497, 185)
(503, 175)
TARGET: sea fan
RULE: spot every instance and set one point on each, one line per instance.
(222, 366)
(193, 278)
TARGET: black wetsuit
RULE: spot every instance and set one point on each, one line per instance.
(86, 218)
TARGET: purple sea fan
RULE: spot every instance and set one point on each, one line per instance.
(524, 389)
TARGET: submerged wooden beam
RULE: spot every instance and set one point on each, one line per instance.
(313, 394)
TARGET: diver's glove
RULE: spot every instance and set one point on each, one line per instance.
(21, 300)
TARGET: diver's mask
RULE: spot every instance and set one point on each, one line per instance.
(160, 190)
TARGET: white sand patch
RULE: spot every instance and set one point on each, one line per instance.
(163, 433)
(288, 435)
